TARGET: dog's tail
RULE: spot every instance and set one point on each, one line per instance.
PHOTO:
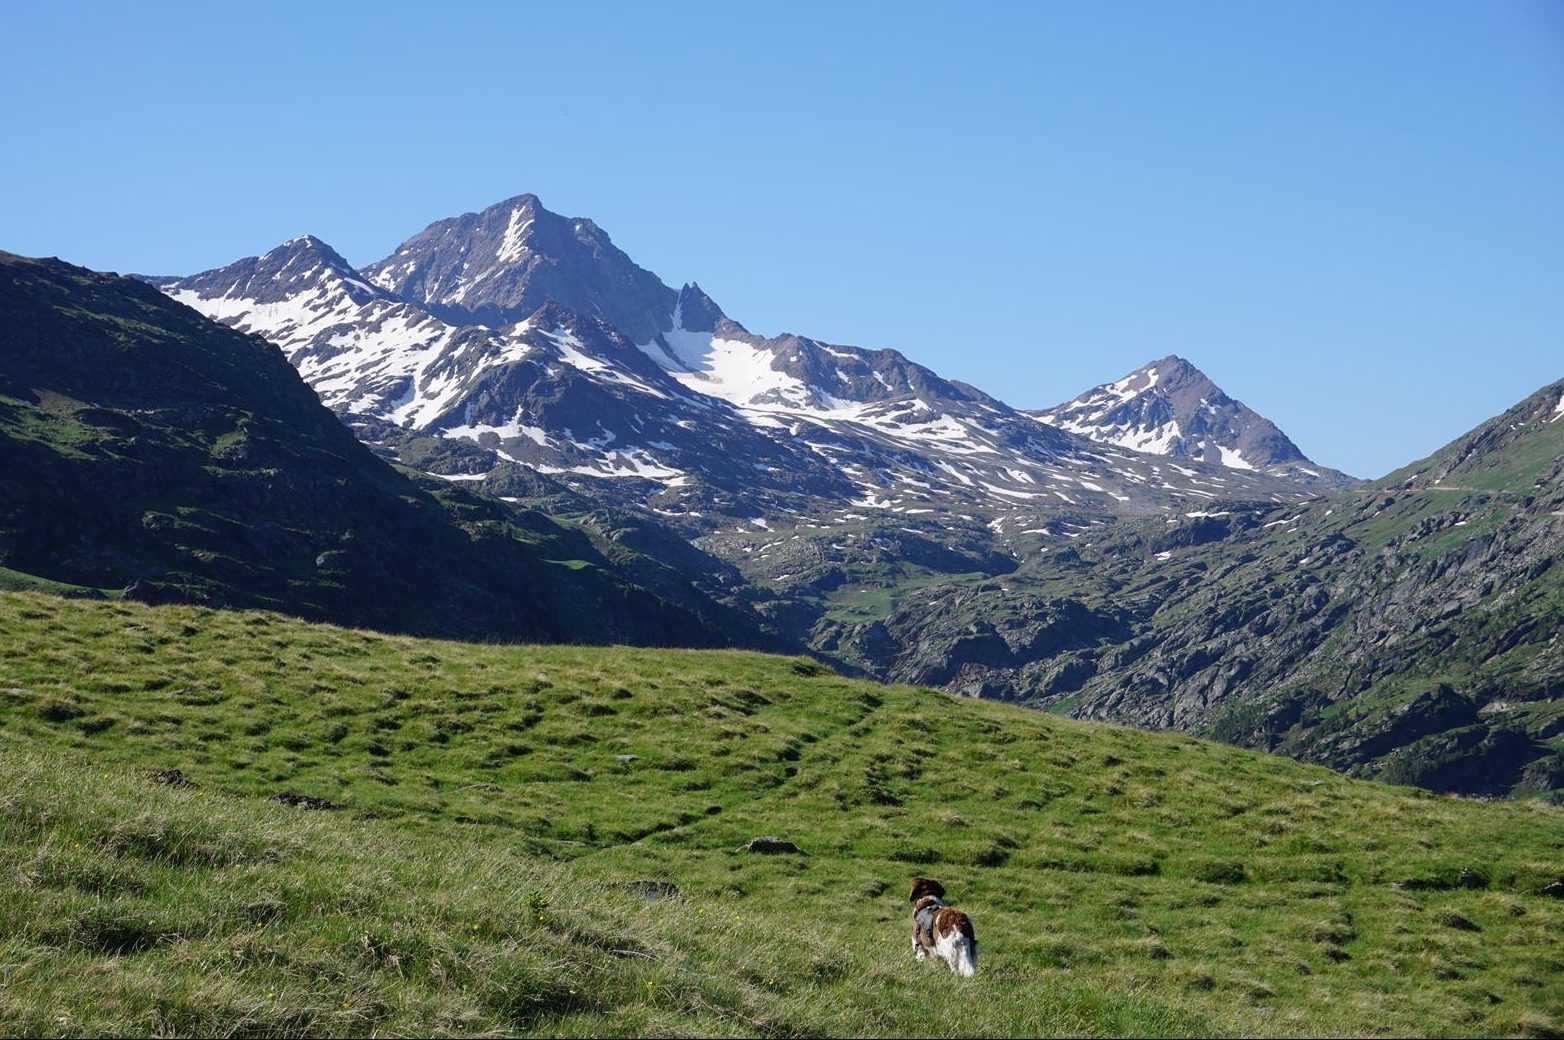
(966, 955)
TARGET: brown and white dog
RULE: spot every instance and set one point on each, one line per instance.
(941, 931)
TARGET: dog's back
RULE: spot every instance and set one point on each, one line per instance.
(954, 941)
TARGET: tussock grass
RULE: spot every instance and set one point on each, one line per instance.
(499, 804)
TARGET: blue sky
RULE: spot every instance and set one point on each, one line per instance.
(1349, 214)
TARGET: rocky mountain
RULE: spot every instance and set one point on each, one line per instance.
(1408, 630)
(1171, 408)
(145, 448)
(518, 337)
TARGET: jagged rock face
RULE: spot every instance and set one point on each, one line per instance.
(694, 311)
(1170, 407)
(499, 266)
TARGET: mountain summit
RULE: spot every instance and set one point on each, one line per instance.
(500, 265)
(300, 266)
(1170, 407)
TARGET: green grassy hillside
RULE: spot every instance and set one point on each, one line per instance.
(498, 804)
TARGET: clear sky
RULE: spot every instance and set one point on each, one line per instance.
(1351, 215)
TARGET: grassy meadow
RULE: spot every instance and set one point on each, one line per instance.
(498, 812)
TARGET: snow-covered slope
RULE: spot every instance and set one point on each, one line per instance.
(361, 348)
(555, 391)
(530, 336)
(1171, 408)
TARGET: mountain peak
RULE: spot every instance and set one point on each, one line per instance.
(501, 264)
(301, 264)
(308, 246)
(1174, 369)
(1174, 363)
(1170, 407)
(694, 311)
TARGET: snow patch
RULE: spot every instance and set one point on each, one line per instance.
(513, 245)
(1232, 458)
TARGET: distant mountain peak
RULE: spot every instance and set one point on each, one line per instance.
(1170, 407)
(309, 249)
(301, 264)
(694, 311)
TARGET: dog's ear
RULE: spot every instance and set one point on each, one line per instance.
(922, 886)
